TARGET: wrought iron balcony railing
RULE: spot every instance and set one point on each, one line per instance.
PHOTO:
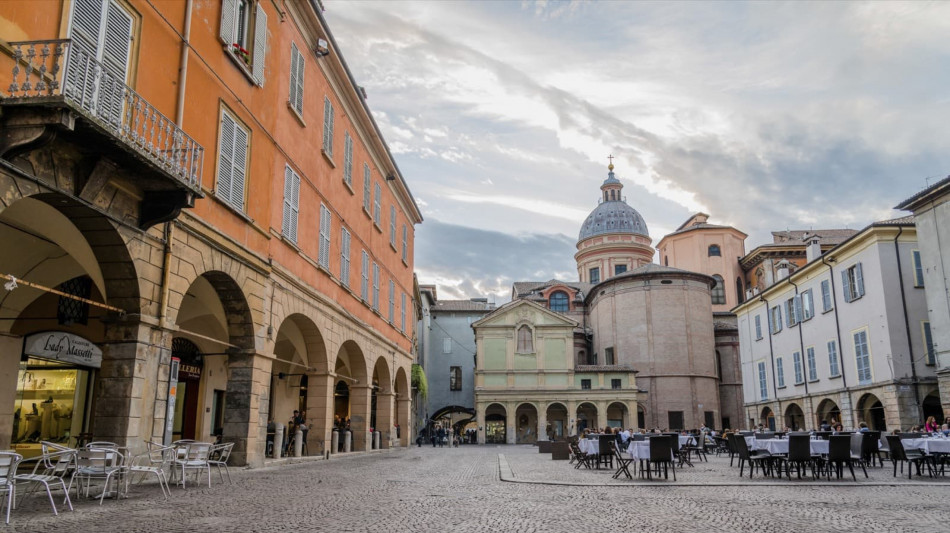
(60, 70)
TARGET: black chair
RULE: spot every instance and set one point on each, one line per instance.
(841, 451)
(912, 456)
(870, 448)
(623, 463)
(763, 458)
(681, 454)
(799, 454)
(661, 453)
(698, 446)
(731, 443)
(580, 458)
(606, 455)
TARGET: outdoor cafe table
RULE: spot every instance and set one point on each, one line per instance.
(639, 450)
(928, 445)
(780, 446)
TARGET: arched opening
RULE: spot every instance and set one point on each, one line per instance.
(381, 401)
(403, 403)
(719, 290)
(714, 251)
(932, 408)
(354, 408)
(557, 423)
(871, 411)
(586, 417)
(459, 418)
(558, 301)
(496, 418)
(768, 418)
(526, 422)
(187, 398)
(828, 412)
(617, 415)
(298, 350)
(794, 417)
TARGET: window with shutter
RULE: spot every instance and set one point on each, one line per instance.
(807, 305)
(367, 178)
(232, 162)
(345, 257)
(826, 296)
(918, 269)
(375, 287)
(812, 364)
(247, 48)
(780, 371)
(392, 226)
(103, 30)
(291, 204)
(833, 359)
(296, 79)
(862, 357)
(392, 301)
(852, 280)
(347, 158)
(758, 327)
(799, 376)
(763, 383)
(364, 281)
(402, 312)
(327, 127)
(405, 240)
(323, 254)
(930, 356)
(376, 203)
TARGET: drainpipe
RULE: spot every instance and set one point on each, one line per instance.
(801, 340)
(910, 344)
(768, 324)
(834, 304)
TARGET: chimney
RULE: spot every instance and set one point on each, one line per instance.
(783, 270)
(812, 247)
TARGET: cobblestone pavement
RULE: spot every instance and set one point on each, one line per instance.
(460, 490)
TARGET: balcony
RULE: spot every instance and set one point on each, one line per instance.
(62, 92)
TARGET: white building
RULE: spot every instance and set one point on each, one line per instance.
(844, 337)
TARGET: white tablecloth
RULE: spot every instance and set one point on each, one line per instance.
(780, 446)
(640, 450)
(589, 446)
(928, 445)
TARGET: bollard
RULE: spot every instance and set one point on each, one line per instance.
(335, 441)
(298, 442)
(376, 439)
(348, 441)
(278, 440)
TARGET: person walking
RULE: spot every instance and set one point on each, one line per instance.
(440, 436)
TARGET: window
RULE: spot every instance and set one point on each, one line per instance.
(775, 319)
(558, 302)
(232, 162)
(807, 305)
(758, 327)
(714, 251)
(367, 178)
(615, 384)
(585, 384)
(609, 356)
(323, 253)
(595, 275)
(376, 203)
(347, 159)
(812, 366)
(675, 419)
(405, 243)
(402, 312)
(104, 29)
(918, 269)
(826, 296)
(525, 342)
(619, 269)
(375, 286)
(327, 127)
(392, 301)
(929, 344)
(364, 277)
(345, 257)
(455, 378)
(763, 383)
(797, 360)
(793, 311)
(780, 370)
(592, 358)
(296, 79)
(718, 291)
(852, 280)
(833, 359)
(446, 345)
(291, 204)
(392, 226)
(862, 357)
(237, 17)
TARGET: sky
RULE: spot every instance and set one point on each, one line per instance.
(767, 116)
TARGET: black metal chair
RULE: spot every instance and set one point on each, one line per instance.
(661, 453)
(841, 451)
(799, 455)
(623, 463)
(606, 455)
(579, 458)
(697, 446)
(912, 456)
(870, 448)
(763, 458)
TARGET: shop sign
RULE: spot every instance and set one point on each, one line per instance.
(65, 347)
(189, 372)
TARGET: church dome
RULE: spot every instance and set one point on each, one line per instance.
(613, 215)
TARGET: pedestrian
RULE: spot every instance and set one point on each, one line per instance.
(440, 436)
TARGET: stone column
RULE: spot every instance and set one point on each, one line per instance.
(542, 422)
(9, 370)
(480, 420)
(384, 417)
(601, 414)
(404, 407)
(360, 405)
(319, 412)
(245, 415)
(511, 427)
(571, 421)
(847, 411)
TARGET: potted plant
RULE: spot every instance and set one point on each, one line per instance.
(240, 52)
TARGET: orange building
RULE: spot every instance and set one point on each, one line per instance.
(200, 186)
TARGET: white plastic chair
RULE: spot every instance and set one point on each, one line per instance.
(8, 465)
